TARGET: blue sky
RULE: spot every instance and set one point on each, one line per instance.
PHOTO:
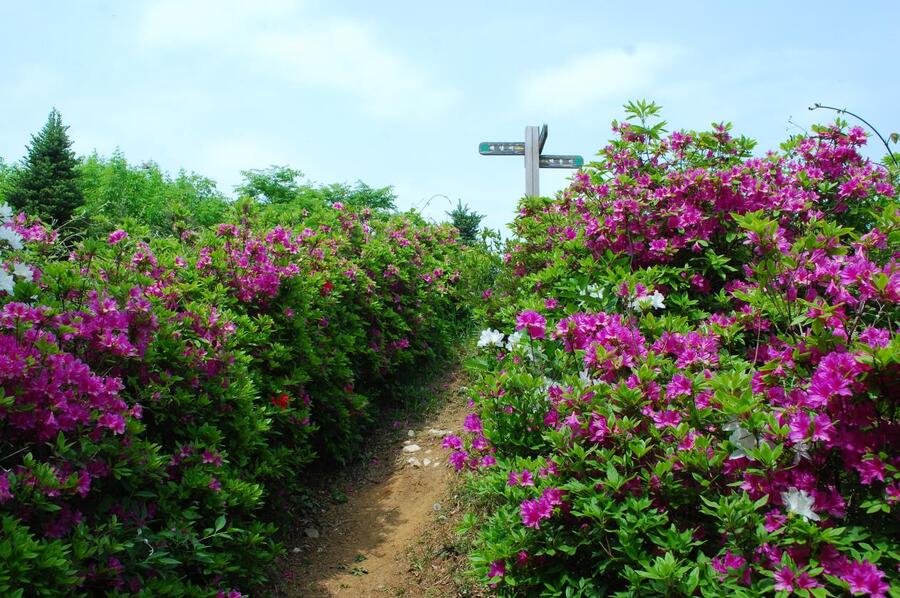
(400, 93)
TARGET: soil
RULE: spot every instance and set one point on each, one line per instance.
(389, 530)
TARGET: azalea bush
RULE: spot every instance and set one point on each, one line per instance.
(689, 379)
(161, 401)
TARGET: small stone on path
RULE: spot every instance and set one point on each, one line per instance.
(311, 532)
(411, 433)
(440, 433)
(412, 448)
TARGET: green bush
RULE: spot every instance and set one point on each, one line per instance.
(161, 399)
(700, 397)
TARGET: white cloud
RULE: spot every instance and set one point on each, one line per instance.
(344, 56)
(334, 55)
(607, 74)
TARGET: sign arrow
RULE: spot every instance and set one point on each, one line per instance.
(501, 148)
(572, 161)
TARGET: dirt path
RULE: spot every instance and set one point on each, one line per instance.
(364, 545)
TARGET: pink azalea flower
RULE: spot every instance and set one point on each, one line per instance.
(212, 458)
(553, 496)
(805, 581)
(870, 470)
(533, 322)
(662, 419)
(452, 442)
(598, 429)
(680, 385)
(5, 493)
(531, 513)
(864, 578)
(775, 520)
(497, 569)
(892, 493)
(472, 423)
(785, 579)
(458, 459)
(117, 236)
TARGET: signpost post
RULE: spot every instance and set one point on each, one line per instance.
(532, 148)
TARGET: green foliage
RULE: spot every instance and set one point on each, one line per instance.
(359, 196)
(44, 567)
(466, 221)
(47, 184)
(117, 192)
(283, 190)
(7, 177)
(273, 185)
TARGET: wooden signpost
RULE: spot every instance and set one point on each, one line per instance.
(532, 149)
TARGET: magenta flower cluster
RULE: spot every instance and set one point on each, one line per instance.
(738, 385)
(155, 398)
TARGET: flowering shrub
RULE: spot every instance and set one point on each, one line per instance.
(706, 400)
(160, 402)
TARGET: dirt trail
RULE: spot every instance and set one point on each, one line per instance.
(362, 547)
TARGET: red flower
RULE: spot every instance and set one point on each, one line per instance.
(327, 288)
(281, 401)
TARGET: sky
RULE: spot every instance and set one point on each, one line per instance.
(400, 93)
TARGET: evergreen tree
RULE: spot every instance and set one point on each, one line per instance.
(47, 183)
(466, 221)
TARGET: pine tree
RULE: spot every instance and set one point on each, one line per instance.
(466, 221)
(47, 183)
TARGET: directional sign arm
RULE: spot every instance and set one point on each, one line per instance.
(501, 148)
(572, 161)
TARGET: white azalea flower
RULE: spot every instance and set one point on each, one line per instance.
(801, 451)
(741, 438)
(585, 377)
(593, 290)
(6, 214)
(490, 338)
(6, 282)
(514, 340)
(799, 502)
(23, 271)
(10, 236)
(654, 300)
